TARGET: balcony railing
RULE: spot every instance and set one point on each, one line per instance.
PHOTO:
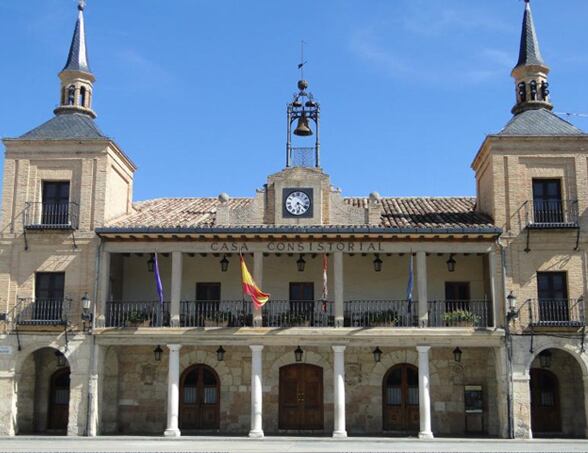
(51, 216)
(41, 311)
(545, 214)
(226, 313)
(459, 313)
(137, 314)
(298, 313)
(556, 312)
(381, 313)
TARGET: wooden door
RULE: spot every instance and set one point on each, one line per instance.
(552, 290)
(58, 412)
(547, 202)
(301, 397)
(400, 398)
(545, 405)
(49, 291)
(199, 399)
(55, 203)
(302, 301)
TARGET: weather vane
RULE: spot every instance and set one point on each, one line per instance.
(302, 62)
(81, 4)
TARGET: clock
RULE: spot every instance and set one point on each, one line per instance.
(297, 202)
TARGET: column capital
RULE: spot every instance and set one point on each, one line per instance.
(174, 347)
(339, 348)
(423, 348)
(256, 347)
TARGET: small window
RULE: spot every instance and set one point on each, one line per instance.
(547, 202)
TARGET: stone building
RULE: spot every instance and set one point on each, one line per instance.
(390, 316)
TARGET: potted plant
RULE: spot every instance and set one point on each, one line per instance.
(461, 318)
(385, 318)
(137, 318)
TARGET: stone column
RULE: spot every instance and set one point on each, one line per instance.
(93, 397)
(339, 389)
(176, 288)
(256, 392)
(521, 401)
(492, 287)
(173, 391)
(8, 406)
(585, 382)
(421, 265)
(338, 283)
(78, 399)
(424, 393)
(103, 288)
(258, 277)
(502, 388)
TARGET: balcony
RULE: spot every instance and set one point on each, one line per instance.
(380, 313)
(567, 313)
(459, 313)
(551, 214)
(209, 313)
(47, 312)
(51, 216)
(137, 314)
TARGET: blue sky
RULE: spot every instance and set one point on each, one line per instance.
(195, 91)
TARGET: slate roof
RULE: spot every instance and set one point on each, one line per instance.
(422, 214)
(539, 122)
(77, 59)
(529, 53)
(66, 126)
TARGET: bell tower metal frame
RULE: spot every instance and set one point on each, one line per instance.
(303, 107)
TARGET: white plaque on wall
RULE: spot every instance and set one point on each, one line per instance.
(5, 350)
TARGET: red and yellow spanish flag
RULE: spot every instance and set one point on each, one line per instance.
(258, 297)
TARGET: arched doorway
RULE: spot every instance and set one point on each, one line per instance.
(301, 397)
(58, 411)
(545, 403)
(400, 399)
(199, 399)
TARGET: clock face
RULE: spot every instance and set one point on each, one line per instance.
(297, 203)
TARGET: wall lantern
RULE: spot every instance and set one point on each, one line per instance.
(298, 354)
(86, 308)
(377, 354)
(220, 354)
(511, 300)
(60, 359)
(457, 354)
(451, 263)
(378, 263)
(150, 264)
(224, 264)
(300, 263)
(545, 359)
(157, 353)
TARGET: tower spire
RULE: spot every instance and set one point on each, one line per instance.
(530, 72)
(77, 81)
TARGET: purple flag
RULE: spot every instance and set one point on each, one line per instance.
(158, 284)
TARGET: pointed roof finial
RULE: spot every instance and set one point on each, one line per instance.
(529, 53)
(77, 59)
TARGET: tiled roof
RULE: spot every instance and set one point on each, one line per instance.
(537, 123)
(529, 53)
(449, 213)
(66, 126)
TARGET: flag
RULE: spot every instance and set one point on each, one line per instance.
(158, 285)
(258, 297)
(409, 286)
(325, 281)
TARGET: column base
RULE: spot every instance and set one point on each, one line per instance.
(426, 435)
(172, 433)
(256, 434)
(339, 434)
(175, 321)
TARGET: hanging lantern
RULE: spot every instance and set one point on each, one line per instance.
(377, 354)
(300, 264)
(220, 354)
(298, 354)
(545, 359)
(157, 353)
(451, 263)
(224, 264)
(60, 359)
(457, 354)
(150, 264)
(378, 263)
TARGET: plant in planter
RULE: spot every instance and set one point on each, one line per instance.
(461, 318)
(218, 319)
(299, 319)
(137, 318)
(385, 318)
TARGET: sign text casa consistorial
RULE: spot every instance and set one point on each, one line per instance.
(298, 247)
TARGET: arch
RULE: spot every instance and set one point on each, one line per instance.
(82, 98)
(581, 360)
(199, 398)
(400, 399)
(301, 397)
(71, 95)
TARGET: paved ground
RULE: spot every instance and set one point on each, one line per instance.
(282, 445)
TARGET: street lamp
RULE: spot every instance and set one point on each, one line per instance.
(220, 354)
(457, 354)
(86, 308)
(545, 358)
(157, 353)
(377, 354)
(511, 300)
(298, 354)
(378, 263)
(60, 359)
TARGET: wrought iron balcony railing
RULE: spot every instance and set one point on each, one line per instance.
(545, 214)
(298, 313)
(556, 312)
(31, 311)
(51, 216)
(137, 314)
(381, 313)
(459, 313)
(216, 313)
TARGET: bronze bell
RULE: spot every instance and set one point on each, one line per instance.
(302, 129)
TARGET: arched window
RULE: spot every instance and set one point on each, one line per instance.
(533, 86)
(82, 97)
(71, 95)
(522, 91)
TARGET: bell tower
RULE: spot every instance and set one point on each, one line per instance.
(530, 73)
(77, 81)
(303, 109)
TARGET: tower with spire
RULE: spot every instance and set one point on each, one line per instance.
(530, 72)
(77, 81)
